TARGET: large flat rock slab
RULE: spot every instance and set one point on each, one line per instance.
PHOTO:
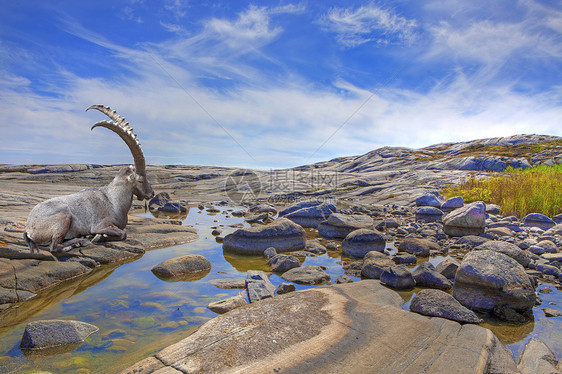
(351, 328)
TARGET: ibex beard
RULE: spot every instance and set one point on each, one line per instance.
(102, 212)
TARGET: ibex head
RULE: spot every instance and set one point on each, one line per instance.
(137, 174)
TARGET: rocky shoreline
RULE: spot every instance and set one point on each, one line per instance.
(387, 196)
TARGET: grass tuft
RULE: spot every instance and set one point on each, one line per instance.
(517, 191)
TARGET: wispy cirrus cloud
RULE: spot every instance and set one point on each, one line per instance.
(369, 23)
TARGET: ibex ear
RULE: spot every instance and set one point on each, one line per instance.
(130, 173)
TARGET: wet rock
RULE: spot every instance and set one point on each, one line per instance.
(452, 204)
(188, 267)
(537, 358)
(548, 246)
(538, 220)
(228, 304)
(428, 214)
(285, 287)
(282, 263)
(359, 242)
(343, 279)
(270, 253)
(282, 234)
(448, 268)
(338, 225)
(429, 199)
(173, 207)
(263, 208)
(239, 283)
(404, 258)
(398, 277)
(54, 333)
(486, 279)
(425, 275)
(309, 213)
(437, 303)
(259, 217)
(548, 269)
(506, 248)
(549, 312)
(500, 231)
(10, 296)
(258, 285)
(315, 247)
(472, 241)
(418, 247)
(468, 220)
(374, 264)
(552, 256)
(506, 313)
(306, 275)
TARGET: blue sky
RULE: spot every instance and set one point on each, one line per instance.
(273, 84)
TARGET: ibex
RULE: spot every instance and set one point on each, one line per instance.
(100, 211)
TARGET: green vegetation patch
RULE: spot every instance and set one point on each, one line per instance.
(517, 191)
(518, 150)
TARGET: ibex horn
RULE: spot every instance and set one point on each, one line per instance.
(122, 128)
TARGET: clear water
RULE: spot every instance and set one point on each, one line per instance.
(139, 314)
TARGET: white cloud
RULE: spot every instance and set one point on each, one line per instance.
(369, 23)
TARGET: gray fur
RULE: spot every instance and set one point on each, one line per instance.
(102, 211)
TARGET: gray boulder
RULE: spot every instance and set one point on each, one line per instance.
(285, 288)
(374, 263)
(338, 225)
(452, 204)
(538, 220)
(258, 286)
(506, 248)
(359, 242)
(487, 279)
(282, 263)
(228, 304)
(472, 240)
(404, 258)
(282, 234)
(306, 275)
(418, 247)
(437, 303)
(425, 275)
(55, 333)
(448, 268)
(184, 268)
(309, 214)
(429, 199)
(398, 277)
(468, 220)
(428, 214)
(537, 358)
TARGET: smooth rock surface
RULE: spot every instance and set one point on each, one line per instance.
(507, 249)
(262, 338)
(338, 225)
(374, 263)
(54, 333)
(228, 304)
(307, 275)
(188, 267)
(418, 247)
(359, 242)
(538, 220)
(309, 214)
(425, 275)
(468, 220)
(259, 286)
(398, 277)
(537, 358)
(282, 263)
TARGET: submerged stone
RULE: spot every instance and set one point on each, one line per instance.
(54, 333)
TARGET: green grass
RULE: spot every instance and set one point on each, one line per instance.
(517, 191)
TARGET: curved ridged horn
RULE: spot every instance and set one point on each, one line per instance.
(122, 128)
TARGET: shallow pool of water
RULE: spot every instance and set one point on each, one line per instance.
(139, 314)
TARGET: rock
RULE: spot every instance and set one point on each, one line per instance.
(315, 247)
(425, 275)
(309, 214)
(486, 279)
(418, 247)
(448, 268)
(548, 246)
(506, 248)
(359, 242)
(263, 208)
(557, 218)
(548, 269)
(184, 268)
(492, 208)
(258, 285)
(404, 258)
(500, 231)
(452, 204)
(343, 279)
(282, 234)
(355, 323)
(437, 303)
(10, 296)
(282, 263)
(173, 207)
(549, 312)
(216, 232)
(374, 263)
(239, 283)
(538, 220)
(506, 313)
(260, 217)
(428, 214)
(285, 288)
(472, 240)
(269, 253)
(306, 275)
(54, 333)
(552, 256)
(338, 225)
(468, 220)
(537, 358)
(398, 277)
(429, 199)
(228, 304)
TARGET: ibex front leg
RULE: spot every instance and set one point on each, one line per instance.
(108, 232)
